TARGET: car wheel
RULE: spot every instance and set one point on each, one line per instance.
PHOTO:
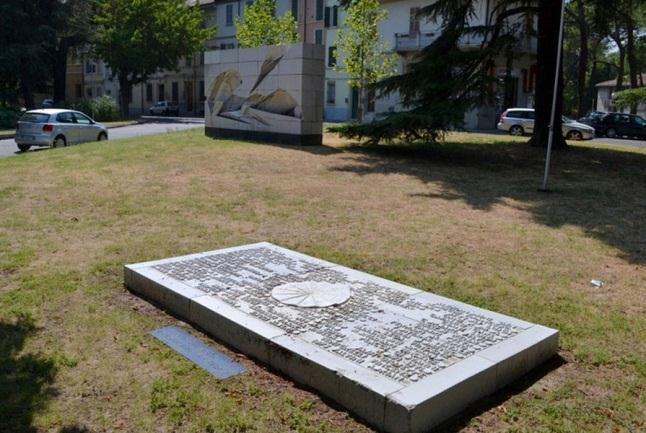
(574, 135)
(517, 131)
(60, 141)
(102, 136)
(611, 133)
(24, 147)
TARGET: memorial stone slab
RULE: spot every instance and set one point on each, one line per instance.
(402, 359)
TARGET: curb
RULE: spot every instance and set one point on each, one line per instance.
(165, 119)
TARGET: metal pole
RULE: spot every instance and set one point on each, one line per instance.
(550, 139)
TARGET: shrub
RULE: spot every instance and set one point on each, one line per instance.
(8, 117)
(103, 108)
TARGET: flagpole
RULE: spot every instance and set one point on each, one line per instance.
(550, 139)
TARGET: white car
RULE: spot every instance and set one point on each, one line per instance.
(520, 121)
(57, 128)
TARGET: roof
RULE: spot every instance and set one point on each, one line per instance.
(613, 83)
(49, 110)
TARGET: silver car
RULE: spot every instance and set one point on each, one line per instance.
(520, 121)
(57, 128)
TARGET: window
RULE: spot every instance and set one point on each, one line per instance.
(78, 90)
(202, 58)
(149, 92)
(335, 16)
(331, 56)
(229, 15)
(295, 9)
(89, 92)
(202, 98)
(319, 10)
(318, 37)
(175, 91)
(161, 92)
(331, 93)
(327, 17)
(227, 46)
(65, 118)
(90, 68)
(81, 119)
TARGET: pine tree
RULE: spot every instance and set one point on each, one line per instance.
(446, 80)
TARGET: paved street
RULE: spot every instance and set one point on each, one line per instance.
(620, 141)
(8, 147)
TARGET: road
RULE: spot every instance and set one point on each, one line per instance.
(8, 147)
(620, 141)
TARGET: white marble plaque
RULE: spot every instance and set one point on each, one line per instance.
(402, 359)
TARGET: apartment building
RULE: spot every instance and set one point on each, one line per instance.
(406, 33)
(319, 21)
(186, 86)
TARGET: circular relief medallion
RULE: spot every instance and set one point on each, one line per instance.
(311, 294)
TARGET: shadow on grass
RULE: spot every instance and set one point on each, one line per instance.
(25, 379)
(603, 191)
(462, 420)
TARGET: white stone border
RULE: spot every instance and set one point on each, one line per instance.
(384, 403)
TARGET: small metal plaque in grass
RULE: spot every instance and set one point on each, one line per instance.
(216, 363)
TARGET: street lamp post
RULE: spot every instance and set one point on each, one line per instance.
(550, 139)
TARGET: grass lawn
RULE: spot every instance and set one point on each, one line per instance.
(463, 219)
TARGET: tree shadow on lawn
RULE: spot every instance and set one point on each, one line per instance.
(25, 379)
(603, 191)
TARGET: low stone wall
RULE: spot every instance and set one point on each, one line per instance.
(271, 94)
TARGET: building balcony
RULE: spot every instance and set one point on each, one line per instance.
(413, 41)
(405, 42)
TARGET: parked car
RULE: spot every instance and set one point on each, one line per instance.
(621, 125)
(164, 108)
(520, 121)
(56, 128)
(592, 117)
(47, 103)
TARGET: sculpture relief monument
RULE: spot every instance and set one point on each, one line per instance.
(272, 93)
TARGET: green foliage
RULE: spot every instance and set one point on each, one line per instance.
(630, 97)
(8, 117)
(27, 36)
(261, 27)
(137, 38)
(102, 109)
(365, 57)
(363, 54)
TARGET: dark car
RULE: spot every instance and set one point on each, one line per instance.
(592, 117)
(621, 125)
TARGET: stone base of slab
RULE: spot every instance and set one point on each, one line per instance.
(266, 137)
(383, 399)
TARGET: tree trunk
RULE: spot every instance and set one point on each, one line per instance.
(361, 109)
(60, 72)
(584, 55)
(631, 56)
(616, 37)
(548, 32)
(27, 94)
(125, 96)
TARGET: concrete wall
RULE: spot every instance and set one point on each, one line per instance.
(268, 93)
